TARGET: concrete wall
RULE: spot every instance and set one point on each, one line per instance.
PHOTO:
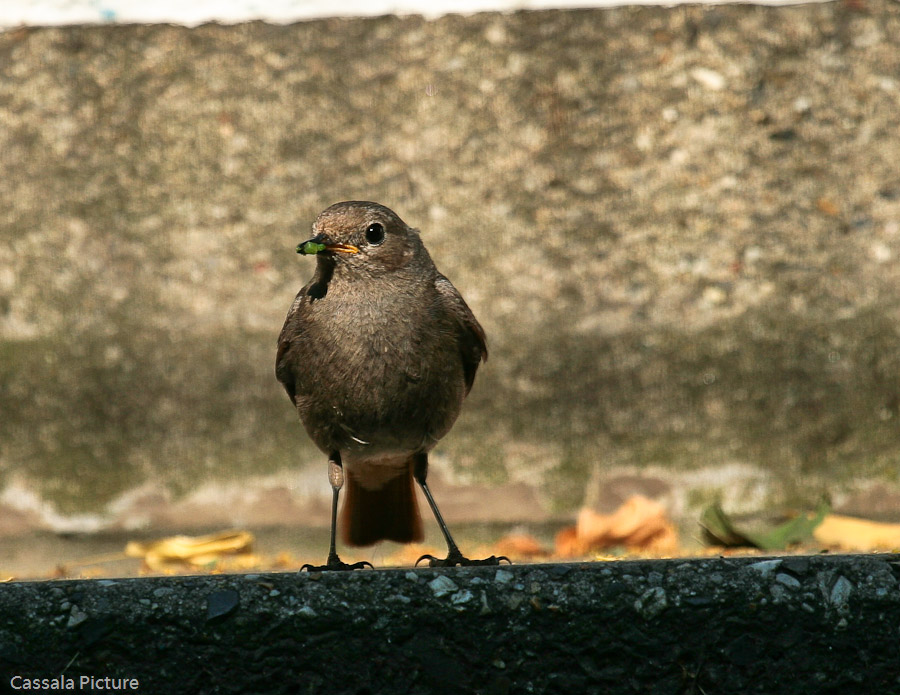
(679, 227)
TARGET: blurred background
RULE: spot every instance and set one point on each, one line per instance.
(679, 227)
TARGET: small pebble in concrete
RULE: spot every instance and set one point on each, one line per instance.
(797, 565)
(461, 597)
(76, 617)
(787, 580)
(441, 586)
(778, 592)
(220, 603)
(766, 567)
(514, 601)
(651, 603)
(485, 606)
(840, 592)
(503, 577)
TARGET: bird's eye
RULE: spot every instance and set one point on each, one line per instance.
(375, 233)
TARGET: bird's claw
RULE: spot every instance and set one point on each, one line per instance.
(335, 564)
(457, 559)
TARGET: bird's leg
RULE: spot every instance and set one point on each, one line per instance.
(454, 556)
(336, 478)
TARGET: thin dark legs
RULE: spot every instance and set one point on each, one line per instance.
(420, 472)
(454, 556)
(336, 478)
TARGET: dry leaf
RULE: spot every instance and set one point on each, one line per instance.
(518, 545)
(567, 543)
(635, 524)
(240, 562)
(639, 523)
(721, 529)
(851, 533)
(665, 542)
(196, 551)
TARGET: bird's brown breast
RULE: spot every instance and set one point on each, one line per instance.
(373, 374)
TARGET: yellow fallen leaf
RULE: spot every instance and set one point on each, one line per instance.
(851, 533)
(241, 562)
(197, 551)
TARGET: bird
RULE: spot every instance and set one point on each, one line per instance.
(377, 353)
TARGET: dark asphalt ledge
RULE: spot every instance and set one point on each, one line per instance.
(794, 625)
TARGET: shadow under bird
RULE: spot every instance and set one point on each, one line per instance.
(377, 353)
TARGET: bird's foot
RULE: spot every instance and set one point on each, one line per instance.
(335, 564)
(457, 559)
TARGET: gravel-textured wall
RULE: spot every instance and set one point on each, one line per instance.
(679, 227)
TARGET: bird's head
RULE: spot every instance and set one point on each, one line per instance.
(361, 236)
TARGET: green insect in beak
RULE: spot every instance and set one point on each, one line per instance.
(310, 248)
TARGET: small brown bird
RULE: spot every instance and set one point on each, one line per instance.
(377, 353)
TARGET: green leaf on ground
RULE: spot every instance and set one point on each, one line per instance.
(721, 529)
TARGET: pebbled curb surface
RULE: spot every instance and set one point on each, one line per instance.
(797, 624)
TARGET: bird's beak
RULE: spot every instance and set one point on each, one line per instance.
(319, 243)
(342, 248)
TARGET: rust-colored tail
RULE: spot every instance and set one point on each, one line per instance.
(390, 513)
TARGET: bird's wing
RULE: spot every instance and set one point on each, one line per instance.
(472, 341)
(289, 332)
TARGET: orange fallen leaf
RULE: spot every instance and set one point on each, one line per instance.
(519, 545)
(639, 523)
(567, 543)
(851, 533)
